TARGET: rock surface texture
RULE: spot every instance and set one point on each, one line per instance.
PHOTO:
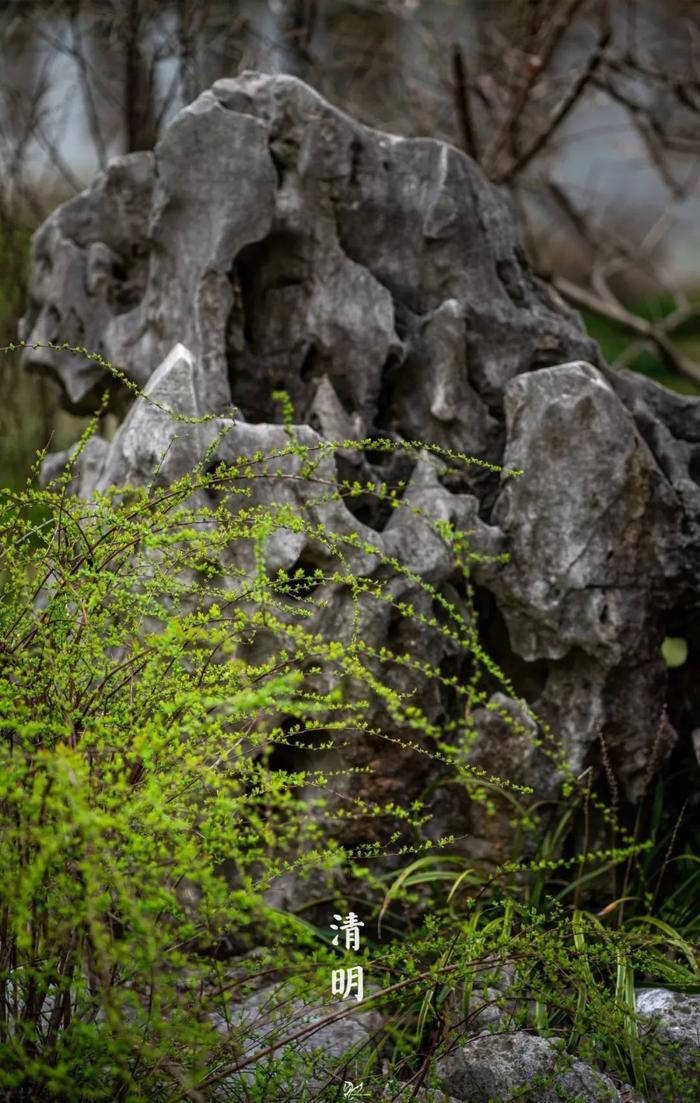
(670, 1033)
(267, 1014)
(521, 1066)
(382, 283)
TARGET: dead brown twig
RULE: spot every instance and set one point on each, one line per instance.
(657, 333)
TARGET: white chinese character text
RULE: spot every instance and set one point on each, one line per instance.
(343, 981)
(351, 926)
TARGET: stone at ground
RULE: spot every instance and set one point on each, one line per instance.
(670, 1033)
(675, 1016)
(409, 1094)
(276, 1012)
(498, 1068)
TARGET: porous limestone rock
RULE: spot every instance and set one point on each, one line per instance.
(282, 241)
(598, 537)
(675, 1014)
(669, 1027)
(326, 1036)
(152, 444)
(272, 242)
(409, 1094)
(505, 1067)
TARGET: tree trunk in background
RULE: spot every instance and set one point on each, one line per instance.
(139, 113)
(187, 48)
(298, 23)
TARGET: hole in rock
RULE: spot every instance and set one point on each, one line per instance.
(53, 324)
(316, 364)
(460, 667)
(284, 757)
(391, 465)
(694, 466)
(306, 574)
(681, 644)
(356, 149)
(281, 260)
(368, 508)
(451, 602)
(477, 481)
(509, 273)
(300, 739)
(307, 367)
(278, 164)
(129, 278)
(391, 378)
(528, 678)
(215, 490)
(266, 348)
(546, 358)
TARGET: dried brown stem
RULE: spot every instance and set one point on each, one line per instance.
(614, 311)
(559, 114)
(555, 29)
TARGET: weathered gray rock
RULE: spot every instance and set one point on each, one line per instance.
(597, 532)
(274, 1013)
(676, 1015)
(381, 281)
(489, 1010)
(498, 1068)
(409, 1094)
(505, 743)
(275, 1009)
(86, 465)
(280, 240)
(89, 273)
(670, 1033)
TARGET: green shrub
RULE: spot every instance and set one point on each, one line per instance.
(147, 680)
(141, 821)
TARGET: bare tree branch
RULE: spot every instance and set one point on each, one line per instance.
(610, 308)
(470, 142)
(560, 112)
(555, 29)
(87, 86)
